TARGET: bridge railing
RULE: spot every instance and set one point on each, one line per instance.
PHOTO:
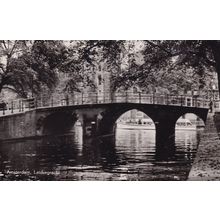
(16, 106)
(94, 98)
(21, 105)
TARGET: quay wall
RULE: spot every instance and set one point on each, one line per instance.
(206, 165)
(18, 125)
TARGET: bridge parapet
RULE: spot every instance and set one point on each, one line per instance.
(141, 98)
(53, 116)
(23, 105)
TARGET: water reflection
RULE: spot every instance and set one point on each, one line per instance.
(130, 155)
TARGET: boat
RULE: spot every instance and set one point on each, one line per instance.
(135, 124)
(148, 124)
(185, 124)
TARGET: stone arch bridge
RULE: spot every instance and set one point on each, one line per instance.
(98, 115)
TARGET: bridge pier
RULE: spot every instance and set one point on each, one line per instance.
(89, 126)
(165, 139)
(98, 119)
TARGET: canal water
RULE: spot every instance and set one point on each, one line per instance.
(131, 155)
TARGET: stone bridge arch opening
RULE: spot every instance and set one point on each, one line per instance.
(135, 119)
(107, 124)
(189, 121)
(134, 128)
(188, 129)
(59, 123)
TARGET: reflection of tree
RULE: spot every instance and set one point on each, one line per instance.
(185, 64)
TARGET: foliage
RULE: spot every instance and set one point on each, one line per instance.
(192, 60)
(173, 65)
(28, 66)
(84, 56)
(31, 66)
(182, 64)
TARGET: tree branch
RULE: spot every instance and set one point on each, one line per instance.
(10, 54)
(4, 44)
(10, 88)
(158, 46)
(1, 67)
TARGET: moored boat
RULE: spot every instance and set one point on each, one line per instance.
(147, 124)
(185, 124)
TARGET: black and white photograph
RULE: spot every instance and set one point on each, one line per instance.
(109, 110)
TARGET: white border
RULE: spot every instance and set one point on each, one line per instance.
(115, 19)
(109, 200)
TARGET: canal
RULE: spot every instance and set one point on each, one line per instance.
(131, 155)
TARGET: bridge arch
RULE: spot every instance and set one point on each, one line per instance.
(100, 118)
(189, 121)
(107, 124)
(133, 118)
(59, 123)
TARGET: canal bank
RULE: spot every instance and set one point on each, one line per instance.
(206, 165)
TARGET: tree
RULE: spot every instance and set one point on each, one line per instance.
(172, 62)
(31, 66)
(196, 57)
(83, 56)
(28, 66)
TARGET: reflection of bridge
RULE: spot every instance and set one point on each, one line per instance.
(97, 114)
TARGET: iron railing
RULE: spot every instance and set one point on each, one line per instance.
(21, 105)
(141, 98)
